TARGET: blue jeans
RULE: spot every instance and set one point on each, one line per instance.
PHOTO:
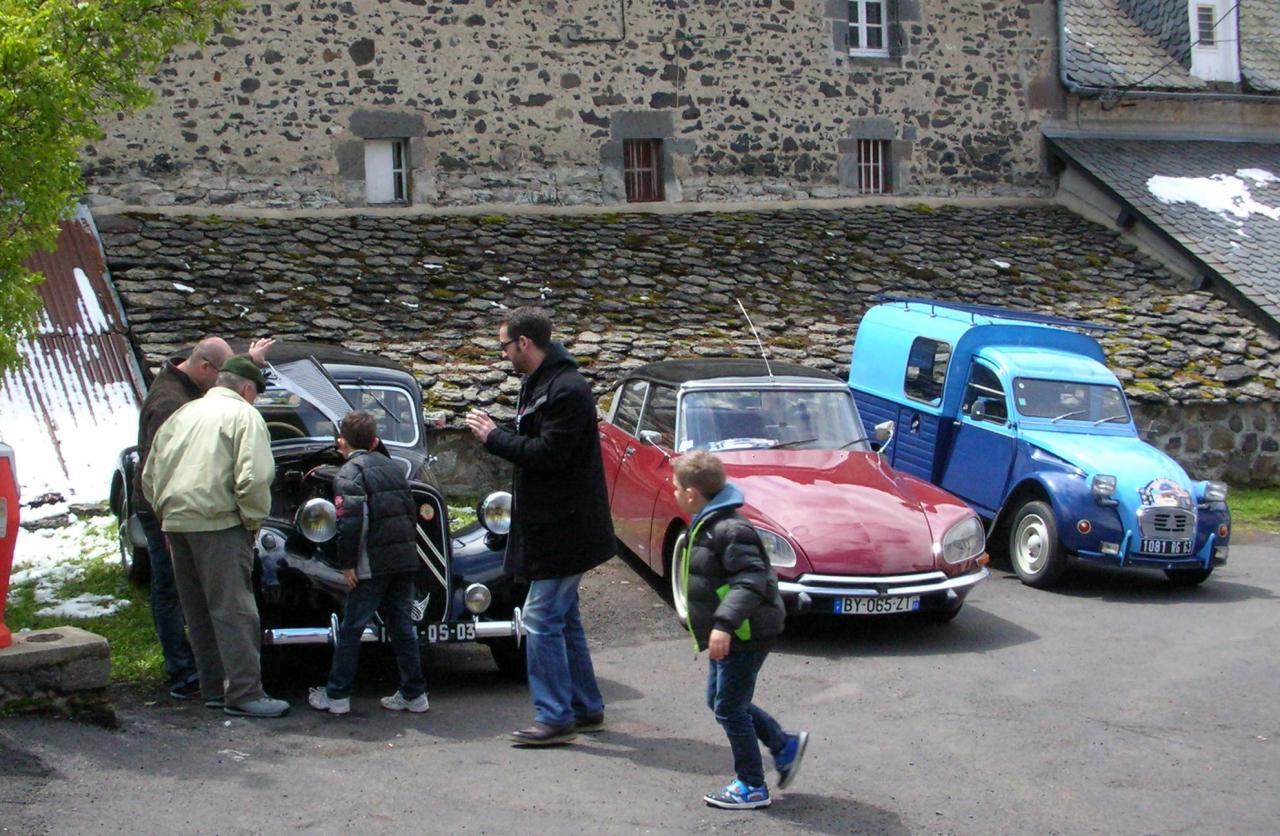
(166, 609)
(391, 595)
(562, 681)
(731, 683)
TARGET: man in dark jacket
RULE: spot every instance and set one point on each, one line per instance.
(180, 381)
(735, 613)
(377, 552)
(560, 524)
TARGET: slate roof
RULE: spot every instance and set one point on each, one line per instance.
(1260, 44)
(1122, 43)
(1146, 44)
(1241, 244)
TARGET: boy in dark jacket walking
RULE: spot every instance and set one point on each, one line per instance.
(735, 612)
(378, 557)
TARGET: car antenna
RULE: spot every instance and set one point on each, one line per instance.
(755, 334)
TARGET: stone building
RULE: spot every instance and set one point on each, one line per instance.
(565, 102)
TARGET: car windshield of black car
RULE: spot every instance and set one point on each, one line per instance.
(290, 417)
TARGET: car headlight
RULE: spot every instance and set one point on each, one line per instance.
(477, 598)
(964, 541)
(1215, 491)
(494, 512)
(777, 549)
(317, 520)
(1103, 489)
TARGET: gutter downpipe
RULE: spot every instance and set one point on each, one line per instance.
(1100, 92)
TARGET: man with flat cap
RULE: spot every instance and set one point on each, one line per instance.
(209, 479)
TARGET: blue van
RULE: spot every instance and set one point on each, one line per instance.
(1022, 419)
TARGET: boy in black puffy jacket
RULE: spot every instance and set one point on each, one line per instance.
(735, 612)
(378, 556)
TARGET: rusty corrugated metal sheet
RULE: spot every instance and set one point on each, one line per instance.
(73, 405)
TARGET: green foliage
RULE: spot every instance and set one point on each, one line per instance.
(65, 64)
(1255, 507)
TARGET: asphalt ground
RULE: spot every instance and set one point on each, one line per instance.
(1116, 705)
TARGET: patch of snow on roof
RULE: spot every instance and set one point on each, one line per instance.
(186, 288)
(89, 305)
(1257, 175)
(1221, 194)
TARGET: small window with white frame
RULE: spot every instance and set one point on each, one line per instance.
(873, 166)
(1206, 18)
(386, 178)
(869, 28)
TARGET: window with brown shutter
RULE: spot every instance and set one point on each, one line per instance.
(642, 169)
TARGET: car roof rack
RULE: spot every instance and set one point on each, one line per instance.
(995, 311)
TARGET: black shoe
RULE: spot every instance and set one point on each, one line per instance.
(590, 723)
(540, 734)
(186, 691)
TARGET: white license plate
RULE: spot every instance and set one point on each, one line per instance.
(863, 605)
(461, 631)
(1169, 547)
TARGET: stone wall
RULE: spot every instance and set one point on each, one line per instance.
(626, 289)
(529, 102)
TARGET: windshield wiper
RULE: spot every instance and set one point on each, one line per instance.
(1111, 418)
(848, 444)
(1067, 415)
(386, 409)
(792, 442)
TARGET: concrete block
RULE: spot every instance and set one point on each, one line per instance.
(52, 647)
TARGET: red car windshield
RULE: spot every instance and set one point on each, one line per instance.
(725, 419)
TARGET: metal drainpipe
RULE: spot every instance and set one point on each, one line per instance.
(1121, 92)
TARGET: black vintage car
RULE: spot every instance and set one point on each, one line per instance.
(463, 594)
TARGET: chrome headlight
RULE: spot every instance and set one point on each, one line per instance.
(495, 512)
(1215, 491)
(317, 520)
(477, 598)
(964, 541)
(1103, 488)
(777, 549)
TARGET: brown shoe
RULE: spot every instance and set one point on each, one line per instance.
(590, 723)
(540, 734)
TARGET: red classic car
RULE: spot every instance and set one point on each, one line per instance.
(846, 534)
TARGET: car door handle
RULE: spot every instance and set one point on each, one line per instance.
(629, 451)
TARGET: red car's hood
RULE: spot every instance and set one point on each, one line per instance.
(849, 512)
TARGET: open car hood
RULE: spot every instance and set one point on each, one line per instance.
(307, 379)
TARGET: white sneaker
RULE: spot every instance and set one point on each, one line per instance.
(320, 701)
(397, 702)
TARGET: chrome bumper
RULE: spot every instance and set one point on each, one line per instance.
(878, 586)
(329, 635)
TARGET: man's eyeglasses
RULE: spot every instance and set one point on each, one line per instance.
(502, 344)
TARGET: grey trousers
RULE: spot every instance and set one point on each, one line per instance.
(214, 575)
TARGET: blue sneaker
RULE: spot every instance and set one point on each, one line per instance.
(787, 762)
(738, 796)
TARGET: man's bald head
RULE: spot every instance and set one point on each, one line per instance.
(205, 360)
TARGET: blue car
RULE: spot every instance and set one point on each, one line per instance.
(1022, 419)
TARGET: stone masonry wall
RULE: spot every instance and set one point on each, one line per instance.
(529, 102)
(625, 289)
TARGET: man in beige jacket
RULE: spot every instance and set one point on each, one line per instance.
(209, 480)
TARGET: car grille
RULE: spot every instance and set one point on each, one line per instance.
(1173, 523)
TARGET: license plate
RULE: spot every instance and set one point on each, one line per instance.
(1169, 547)
(458, 631)
(863, 605)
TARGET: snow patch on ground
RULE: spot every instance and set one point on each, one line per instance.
(1222, 194)
(83, 606)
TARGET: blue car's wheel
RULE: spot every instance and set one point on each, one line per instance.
(1034, 550)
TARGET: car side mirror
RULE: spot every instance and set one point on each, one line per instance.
(884, 431)
(651, 437)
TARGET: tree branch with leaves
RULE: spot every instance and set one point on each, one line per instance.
(65, 64)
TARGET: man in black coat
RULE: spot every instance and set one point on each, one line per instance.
(180, 381)
(560, 524)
